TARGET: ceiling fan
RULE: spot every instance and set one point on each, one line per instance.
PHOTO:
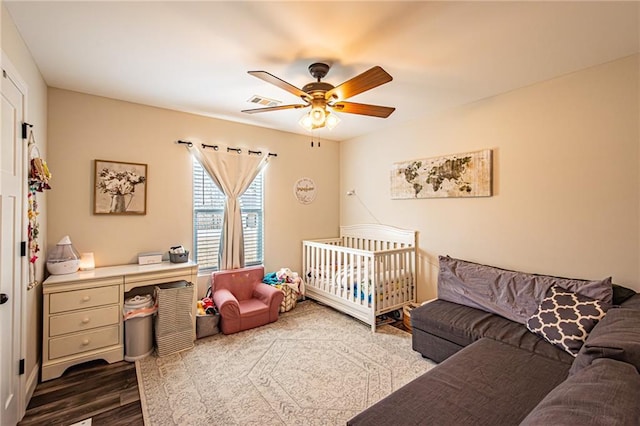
(319, 95)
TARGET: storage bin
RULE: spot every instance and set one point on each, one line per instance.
(207, 325)
(179, 257)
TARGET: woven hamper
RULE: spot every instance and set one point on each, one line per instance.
(174, 321)
(406, 314)
(290, 299)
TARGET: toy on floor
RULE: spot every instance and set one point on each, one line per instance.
(206, 306)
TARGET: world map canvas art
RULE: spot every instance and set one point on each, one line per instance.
(458, 175)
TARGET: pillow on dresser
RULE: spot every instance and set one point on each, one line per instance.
(510, 294)
(565, 318)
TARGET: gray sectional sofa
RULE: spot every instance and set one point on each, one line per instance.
(520, 349)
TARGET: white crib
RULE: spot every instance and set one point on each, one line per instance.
(368, 271)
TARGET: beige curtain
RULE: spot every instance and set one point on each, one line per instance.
(232, 173)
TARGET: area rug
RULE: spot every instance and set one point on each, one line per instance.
(314, 366)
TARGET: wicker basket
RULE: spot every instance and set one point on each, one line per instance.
(406, 314)
(290, 299)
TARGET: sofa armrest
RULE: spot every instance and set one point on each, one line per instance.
(605, 393)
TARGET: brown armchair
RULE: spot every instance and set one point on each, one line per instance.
(243, 300)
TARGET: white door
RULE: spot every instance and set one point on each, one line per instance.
(11, 225)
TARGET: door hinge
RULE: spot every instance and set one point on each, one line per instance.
(23, 248)
(21, 367)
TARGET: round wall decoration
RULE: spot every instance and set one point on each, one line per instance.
(305, 190)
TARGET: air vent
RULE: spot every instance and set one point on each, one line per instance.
(262, 101)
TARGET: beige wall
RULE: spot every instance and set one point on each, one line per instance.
(566, 179)
(36, 113)
(83, 128)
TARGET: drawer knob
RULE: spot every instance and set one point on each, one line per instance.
(85, 342)
(86, 298)
(85, 320)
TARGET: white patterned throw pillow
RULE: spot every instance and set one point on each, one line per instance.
(565, 319)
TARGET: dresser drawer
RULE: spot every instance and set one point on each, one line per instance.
(86, 298)
(83, 320)
(82, 342)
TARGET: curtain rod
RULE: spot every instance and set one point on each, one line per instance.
(216, 148)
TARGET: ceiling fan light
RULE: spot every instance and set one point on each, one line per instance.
(318, 115)
(332, 121)
(306, 122)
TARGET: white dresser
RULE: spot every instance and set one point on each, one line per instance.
(82, 312)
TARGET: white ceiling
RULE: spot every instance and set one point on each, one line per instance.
(194, 56)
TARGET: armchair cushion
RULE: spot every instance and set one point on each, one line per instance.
(265, 292)
(270, 296)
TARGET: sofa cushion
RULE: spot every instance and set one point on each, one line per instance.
(487, 383)
(511, 294)
(463, 325)
(621, 294)
(607, 392)
(565, 319)
(617, 336)
(433, 347)
(632, 303)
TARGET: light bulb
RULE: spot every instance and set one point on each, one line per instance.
(332, 120)
(318, 115)
(305, 121)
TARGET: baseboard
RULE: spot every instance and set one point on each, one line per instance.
(30, 385)
(29, 388)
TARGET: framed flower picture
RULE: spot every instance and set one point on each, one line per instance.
(120, 188)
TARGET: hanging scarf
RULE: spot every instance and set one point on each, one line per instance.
(39, 177)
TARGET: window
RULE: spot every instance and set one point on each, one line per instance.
(208, 212)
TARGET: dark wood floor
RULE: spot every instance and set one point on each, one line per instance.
(106, 393)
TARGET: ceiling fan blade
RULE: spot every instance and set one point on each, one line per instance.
(363, 109)
(374, 77)
(275, 108)
(270, 78)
